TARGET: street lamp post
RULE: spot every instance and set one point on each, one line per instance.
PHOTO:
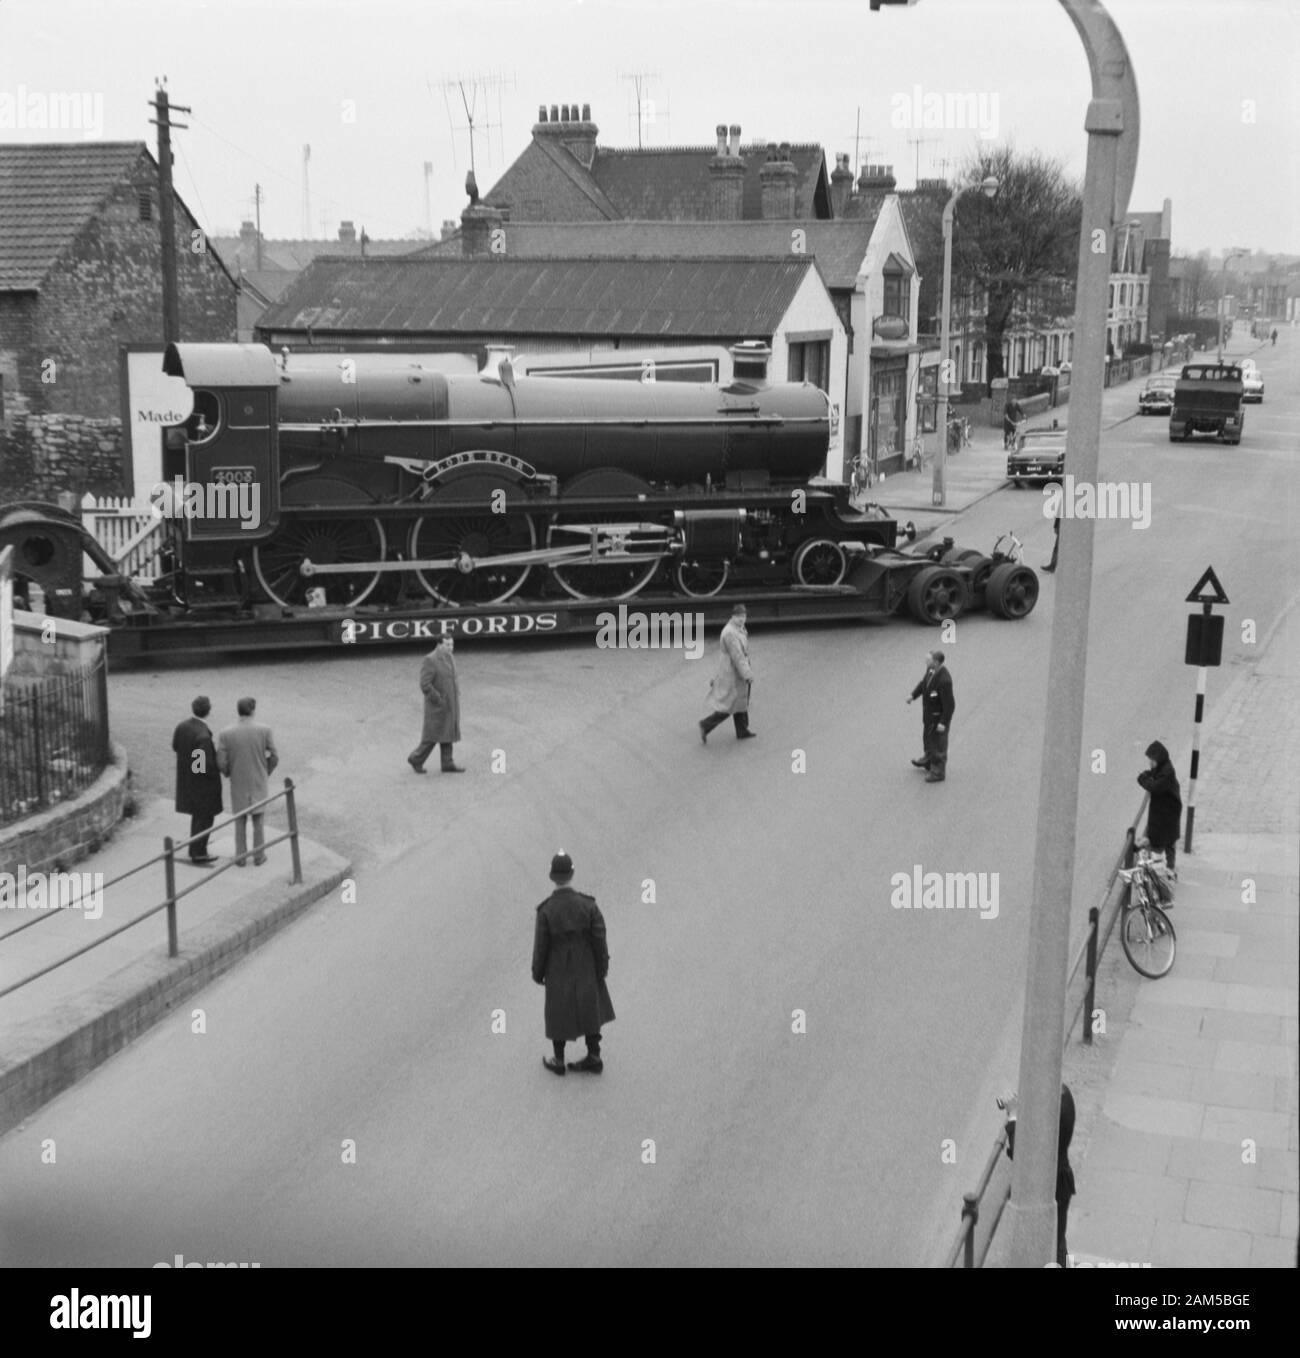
(989, 187)
(1223, 300)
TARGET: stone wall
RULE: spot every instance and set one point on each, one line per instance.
(41, 455)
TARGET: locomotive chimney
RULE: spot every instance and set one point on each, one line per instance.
(749, 360)
(726, 180)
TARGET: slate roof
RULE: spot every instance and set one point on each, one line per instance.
(547, 182)
(291, 256)
(47, 192)
(839, 247)
(652, 298)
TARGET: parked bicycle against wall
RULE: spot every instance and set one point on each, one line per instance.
(1145, 929)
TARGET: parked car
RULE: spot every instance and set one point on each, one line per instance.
(1251, 381)
(1156, 396)
(1038, 455)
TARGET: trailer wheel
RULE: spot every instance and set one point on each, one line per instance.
(1012, 590)
(819, 561)
(981, 566)
(936, 594)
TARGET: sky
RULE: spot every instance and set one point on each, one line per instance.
(375, 90)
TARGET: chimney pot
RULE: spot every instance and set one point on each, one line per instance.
(721, 131)
(541, 113)
(586, 113)
(555, 113)
(735, 139)
(785, 150)
(564, 113)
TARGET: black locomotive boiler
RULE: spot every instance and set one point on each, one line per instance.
(379, 479)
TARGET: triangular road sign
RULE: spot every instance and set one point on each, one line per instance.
(1209, 581)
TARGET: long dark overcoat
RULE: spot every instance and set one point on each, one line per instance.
(571, 959)
(441, 697)
(1166, 811)
(198, 789)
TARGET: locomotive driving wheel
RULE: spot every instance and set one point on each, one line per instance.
(324, 542)
(476, 539)
(609, 577)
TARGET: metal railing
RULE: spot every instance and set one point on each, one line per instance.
(168, 859)
(53, 738)
(1089, 955)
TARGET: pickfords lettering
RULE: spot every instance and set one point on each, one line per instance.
(353, 630)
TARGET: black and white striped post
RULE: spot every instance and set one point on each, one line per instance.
(1204, 648)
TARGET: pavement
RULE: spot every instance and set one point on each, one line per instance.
(1190, 1159)
(60, 1026)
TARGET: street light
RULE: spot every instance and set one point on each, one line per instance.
(1223, 275)
(988, 188)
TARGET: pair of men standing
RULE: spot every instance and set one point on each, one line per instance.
(937, 706)
(246, 754)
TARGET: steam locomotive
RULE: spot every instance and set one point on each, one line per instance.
(377, 479)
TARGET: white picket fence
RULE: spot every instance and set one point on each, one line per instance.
(127, 530)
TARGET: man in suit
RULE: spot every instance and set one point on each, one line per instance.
(937, 705)
(441, 691)
(246, 754)
(198, 779)
(571, 960)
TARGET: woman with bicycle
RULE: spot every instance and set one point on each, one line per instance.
(1164, 818)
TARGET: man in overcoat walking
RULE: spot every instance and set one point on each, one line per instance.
(247, 755)
(1165, 814)
(937, 706)
(571, 960)
(732, 681)
(198, 779)
(441, 691)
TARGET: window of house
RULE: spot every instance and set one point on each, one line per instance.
(1111, 303)
(146, 206)
(810, 361)
(898, 294)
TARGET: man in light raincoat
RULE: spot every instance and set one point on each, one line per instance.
(729, 691)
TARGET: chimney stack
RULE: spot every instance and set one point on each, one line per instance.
(247, 233)
(777, 183)
(875, 184)
(477, 223)
(576, 134)
(726, 179)
(841, 186)
(347, 233)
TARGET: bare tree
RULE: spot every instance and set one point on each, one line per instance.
(1196, 282)
(1023, 245)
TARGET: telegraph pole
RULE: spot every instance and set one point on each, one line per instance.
(166, 210)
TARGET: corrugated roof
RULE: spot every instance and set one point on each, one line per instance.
(682, 298)
(839, 247)
(47, 192)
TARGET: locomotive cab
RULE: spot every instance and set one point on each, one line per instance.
(228, 487)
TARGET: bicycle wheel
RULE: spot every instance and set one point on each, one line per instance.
(1149, 940)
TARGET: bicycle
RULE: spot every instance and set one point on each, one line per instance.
(1145, 930)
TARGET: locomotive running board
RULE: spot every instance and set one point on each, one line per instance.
(278, 629)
